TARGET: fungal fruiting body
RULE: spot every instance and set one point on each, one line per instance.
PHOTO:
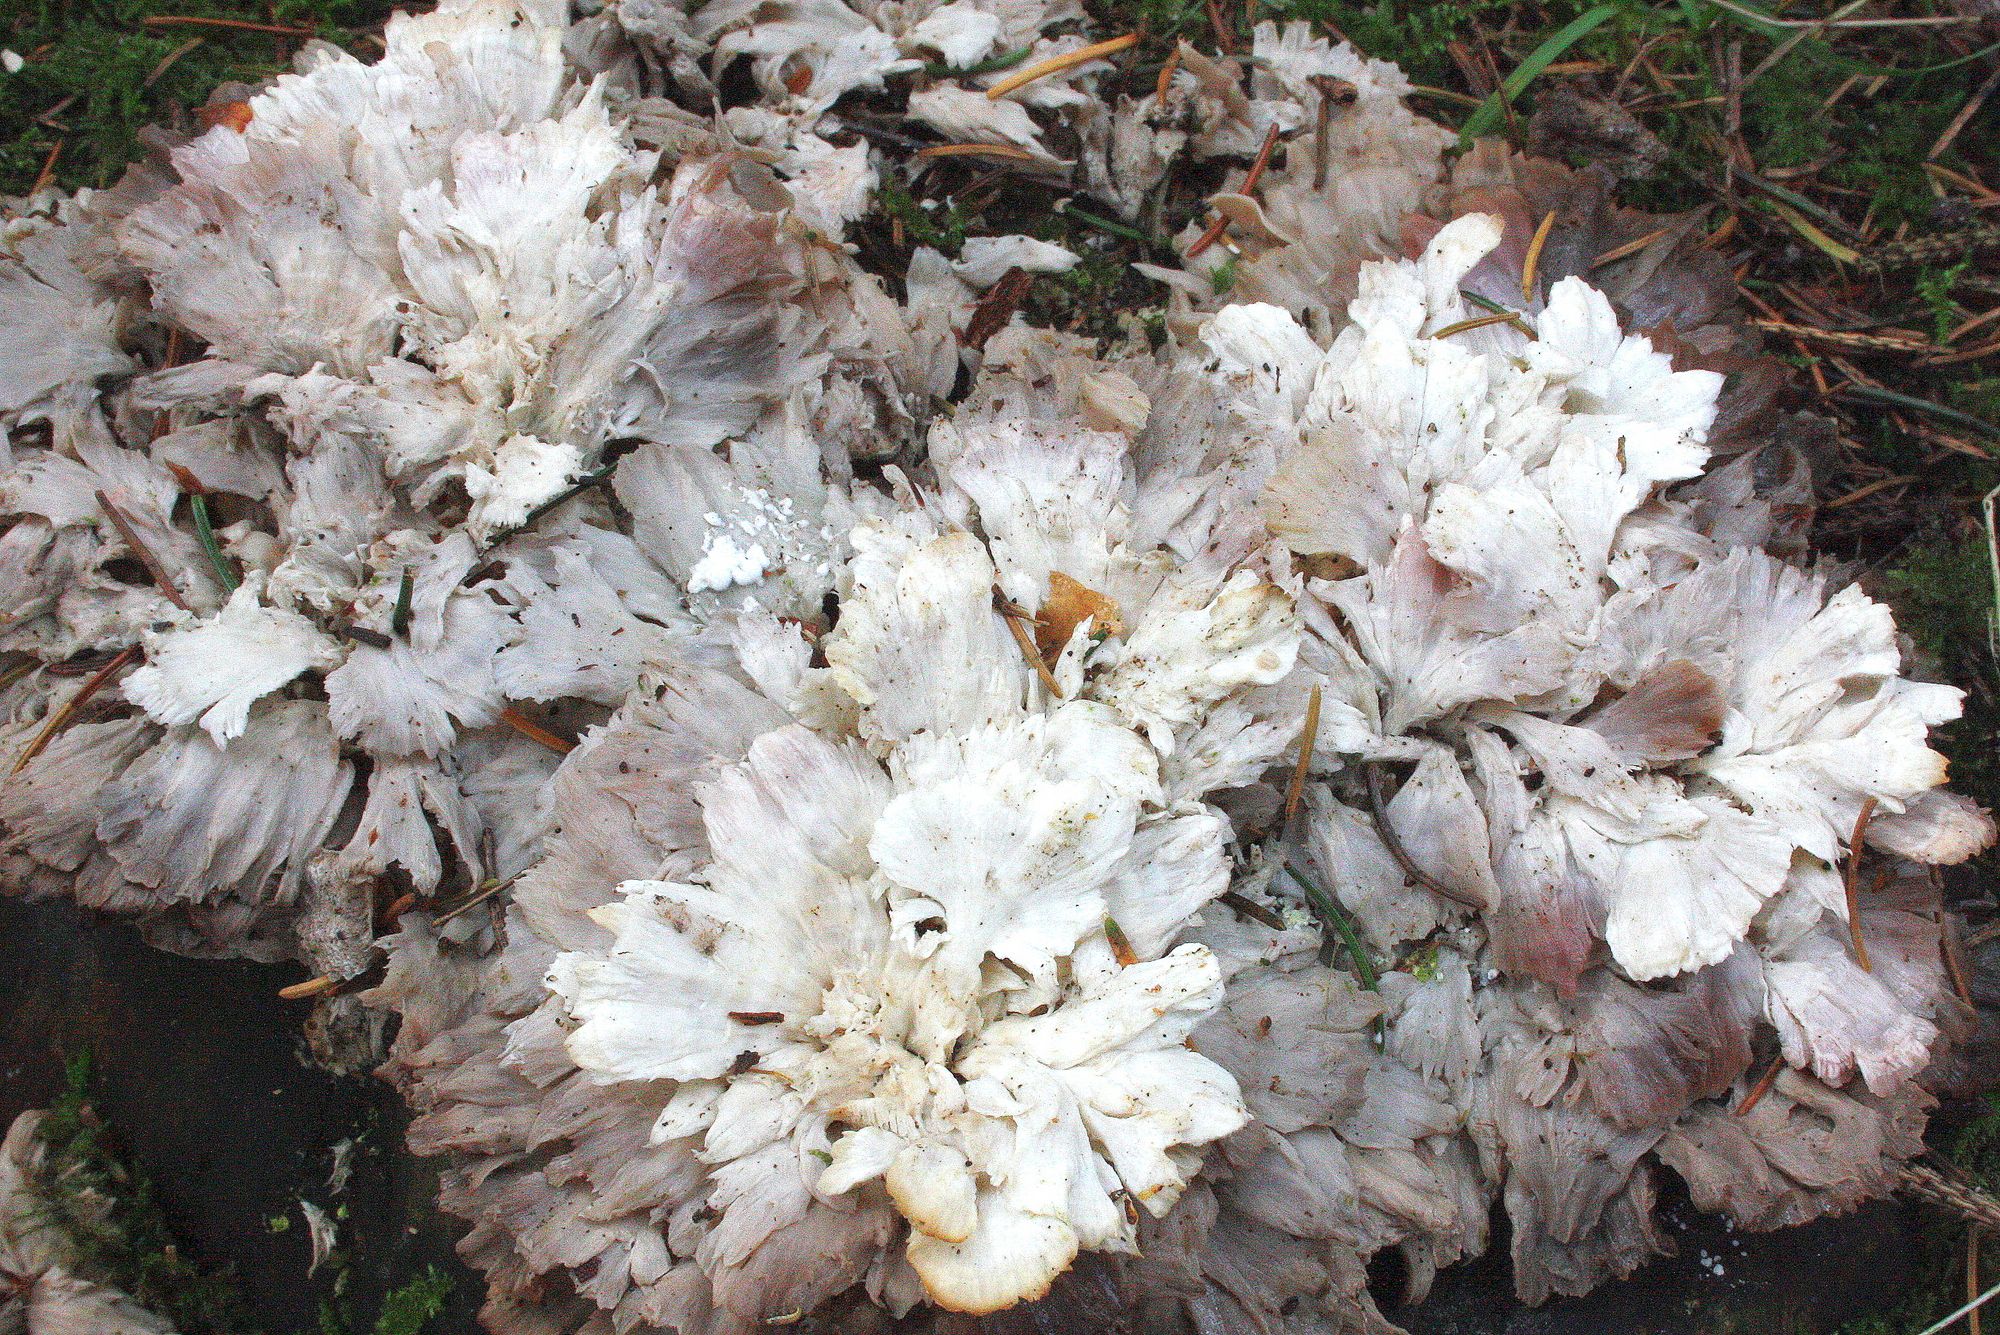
(896, 818)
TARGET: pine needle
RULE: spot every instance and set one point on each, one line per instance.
(1057, 64)
(60, 719)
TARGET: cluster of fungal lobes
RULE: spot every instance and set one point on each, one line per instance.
(880, 818)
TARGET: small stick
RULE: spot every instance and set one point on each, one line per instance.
(1057, 64)
(312, 987)
(60, 719)
(374, 639)
(1378, 808)
(1221, 223)
(1307, 736)
(1018, 619)
(140, 550)
(756, 1017)
(534, 731)
(473, 900)
(1851, 883)
(1251, 909)
(1761, 1088)
(240, 25)
(1534, 257)
(1224, 36)
(1972, 1239)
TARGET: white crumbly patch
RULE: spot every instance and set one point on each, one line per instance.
(724, 565)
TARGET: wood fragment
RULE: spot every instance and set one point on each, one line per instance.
(374, 639)
(756, 1017)
(312, 987)
(996, 308)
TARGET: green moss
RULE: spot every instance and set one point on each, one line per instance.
(110, 1216)
(96, 72)
(1942, 591)
(405, 1311)
(942, 227)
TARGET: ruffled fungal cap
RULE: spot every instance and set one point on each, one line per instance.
(434, 296)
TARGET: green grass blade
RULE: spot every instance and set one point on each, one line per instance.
(1329, 912)
(1543, 56)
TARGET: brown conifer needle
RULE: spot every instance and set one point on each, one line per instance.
(1308, 735)
(1852, 884)
(140, 550)
(1057, 64)
(60, 719)
(1534, 258)
(535, 732)
(1761, 1088)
